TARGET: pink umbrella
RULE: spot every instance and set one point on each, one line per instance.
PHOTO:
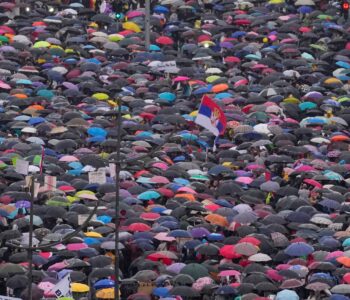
(201, 283)
(334, 254)
(163, 236)
(58, 266)
(4, 85)
(186, 189)
(77, 246)
(181, 78)
(46, 285)
(229, 273)
(304, 168)
(244, 180)
(160, 179)
(259, 66)
(283, 267)
(68, 158)
(160, 165)
(241, 82)
(134, 14)
(255, 167)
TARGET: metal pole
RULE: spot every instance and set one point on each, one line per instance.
(148, 24)
(30, 246)
(116, 220)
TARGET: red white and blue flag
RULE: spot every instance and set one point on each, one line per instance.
(211, 116)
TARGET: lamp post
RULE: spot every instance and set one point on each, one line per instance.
(30, 243)
(117, 210)
(148, 24)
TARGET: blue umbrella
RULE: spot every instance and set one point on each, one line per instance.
(24, 82)
(170, 224)
(170, 97)
(343, 64)
(36, 120)
(305, 9)
(103, 284)
(238, 34)
(179, 233)
(160, 9)
(299, 249)
(154, 48)
(223, 95)
(148, 195)
(215, 237)
(160, 292)
(203, 90)
(91, 241)
(97, 131)
(287, 294)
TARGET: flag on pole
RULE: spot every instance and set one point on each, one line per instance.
(50, 183)
(211, 116)
(62, 288)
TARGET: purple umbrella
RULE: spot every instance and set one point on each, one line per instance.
(22, 204)
(176, 267)
(199, 232)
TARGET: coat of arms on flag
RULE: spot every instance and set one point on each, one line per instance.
(211, 116)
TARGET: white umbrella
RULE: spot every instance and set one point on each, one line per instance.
(304, 2)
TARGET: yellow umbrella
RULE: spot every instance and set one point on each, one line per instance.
(207, 43)
(291, 99)
(86, 194)
(115, 37)
(105, 293)
(212, 78)
(41, 44)
(194, 113)
(276, 1)
(79, 287)
(93, 234)
(131, 26)
(101, 96)
(332, 80)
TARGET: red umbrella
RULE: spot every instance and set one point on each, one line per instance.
(165, 40)
(313, 182)
(157, 256)
(228, 251)
(203, 38)
(242, 22)
(346, 277)
(138, 227)
(166, 192)
(251, 240)
(149, 216)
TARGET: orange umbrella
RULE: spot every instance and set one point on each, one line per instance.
(36, 107)
(20, 96)
(187, 196)
(216, 219)
(340, 138)
(344, 261)
(218, 88)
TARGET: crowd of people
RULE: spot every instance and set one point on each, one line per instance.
(258, 212)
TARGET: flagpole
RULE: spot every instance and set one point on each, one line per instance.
(30, 246)
(117, 212)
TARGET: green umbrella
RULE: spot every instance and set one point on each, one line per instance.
(196, 271)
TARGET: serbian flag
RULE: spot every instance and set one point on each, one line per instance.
(211, 116)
